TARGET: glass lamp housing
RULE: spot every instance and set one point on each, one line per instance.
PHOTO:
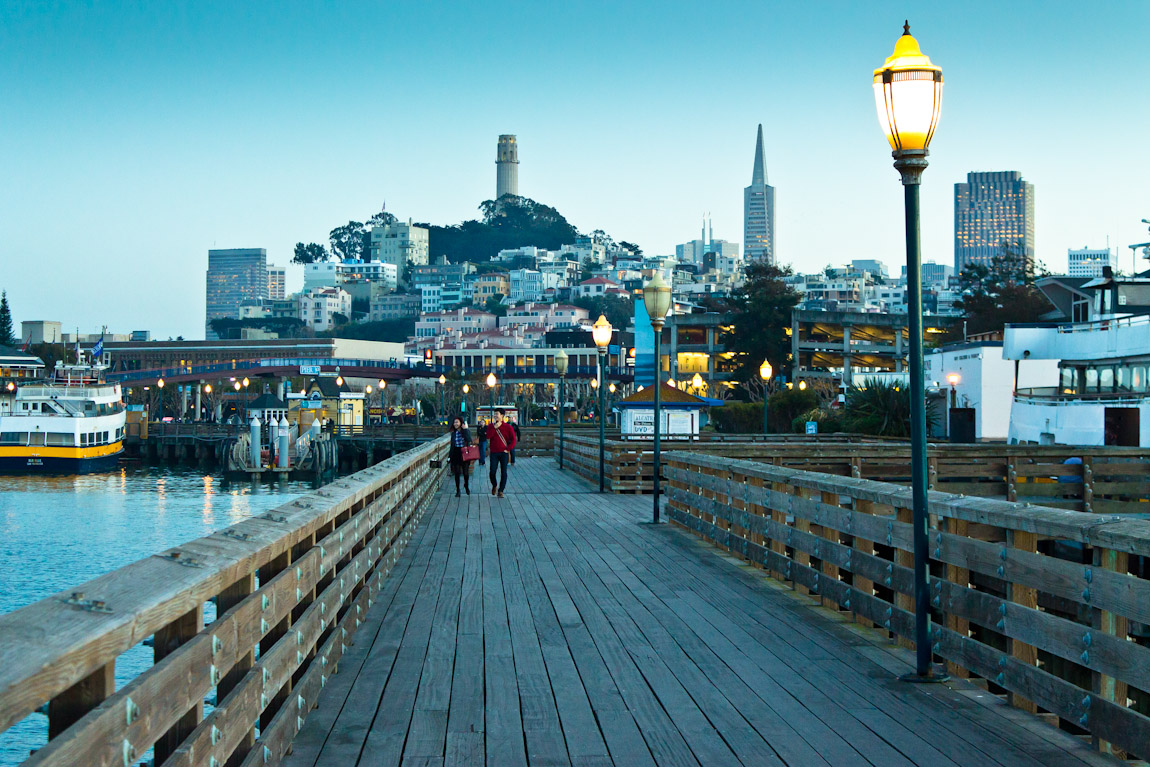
(908, 95)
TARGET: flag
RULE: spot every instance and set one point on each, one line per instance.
(98, 349)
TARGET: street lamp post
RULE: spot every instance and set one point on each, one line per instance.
(492, 381)
(463, 408)
(908, 96)
(442, 383)
(601, 334)
(765, 371)
(657, 301)
(561, 369)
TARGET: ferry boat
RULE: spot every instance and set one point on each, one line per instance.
(71, 423)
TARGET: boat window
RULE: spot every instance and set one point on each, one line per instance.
(1106, 379)
(1091, 379)
(1122, 379)
(61, 439)
(14, 438)
(1067, 380)
(36, 439)
(1138, 378)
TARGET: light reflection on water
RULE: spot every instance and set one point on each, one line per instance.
(58, 532)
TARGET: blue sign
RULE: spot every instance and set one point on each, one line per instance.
(309, 370)
(812, 427)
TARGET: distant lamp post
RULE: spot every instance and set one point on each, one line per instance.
(697, 382)
(657, 301)
(802, 385)
(908, 96)
(160, 383)
(442, 385)
(463, 409)
(246, 382)
(765, 372)
(561, 369)
(601, 335)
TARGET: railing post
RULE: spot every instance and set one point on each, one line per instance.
(1027, 597)
(166, 641)
(69, 706)
(828, 571)
(959, 576)
(267, 572)
(905, 558)
(227, 599)
(1113, 690)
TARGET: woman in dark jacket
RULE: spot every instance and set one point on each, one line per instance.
(460, 437)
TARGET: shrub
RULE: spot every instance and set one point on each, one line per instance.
(738, 418)
(786, 405)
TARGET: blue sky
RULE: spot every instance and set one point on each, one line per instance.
(137, 136)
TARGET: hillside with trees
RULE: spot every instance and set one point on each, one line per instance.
(512, 222)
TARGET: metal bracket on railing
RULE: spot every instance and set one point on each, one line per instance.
(181, 559)
(91, 605)
(274, 517)
(129, 753)
(230, 533)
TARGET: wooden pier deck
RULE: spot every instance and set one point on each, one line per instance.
(550, 628)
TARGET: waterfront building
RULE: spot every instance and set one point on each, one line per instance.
(993, 211)
(506, 166)
(277, 283)
(400, 245)
(41, 332)
(696, 343)
(124, 356)
(17, 364)
(759, 211)
(318, 308)
(1089, 262)
(235, 276)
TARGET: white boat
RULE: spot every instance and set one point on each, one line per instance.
(72, 423)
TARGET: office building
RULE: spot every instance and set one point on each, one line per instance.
(1088, 262)
(506, 167)
(695, 251)
(993, 214)
(318, 308)
(277, 283)
(235, 277)
(759, 211)
(41, 332)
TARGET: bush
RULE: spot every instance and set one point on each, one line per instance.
(878, 408)
(786, 405)
(829, 421)
(738, 418)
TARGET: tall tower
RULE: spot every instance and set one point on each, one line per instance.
(759, 211)
(993, 213)
(506, 167)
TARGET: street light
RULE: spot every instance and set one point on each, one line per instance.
(491, 382)
(908, 96)
(442, 383)
(463, 408)
(765, 371)
(697, 382)
(561, 369)
(601, 335)
(657, 301)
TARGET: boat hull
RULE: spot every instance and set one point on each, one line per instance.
(40, 461)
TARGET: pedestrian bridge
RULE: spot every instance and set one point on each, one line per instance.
(382, 621)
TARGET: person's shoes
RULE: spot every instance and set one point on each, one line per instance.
(501, 494)
(494, 490)
(456, 493)
(469, 491)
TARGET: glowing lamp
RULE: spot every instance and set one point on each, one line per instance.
(601, 332)
(561, 362)
(765, 370)
(908, 95)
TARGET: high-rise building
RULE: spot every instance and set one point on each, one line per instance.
(759, 211)
(993, 214)
(235, 277)
(277, 283)
(693, 252)
(506, 167)
(399, 244)
(1088, 262)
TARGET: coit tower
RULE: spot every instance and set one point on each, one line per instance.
(506, 167)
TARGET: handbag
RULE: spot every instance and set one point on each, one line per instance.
(469, 453)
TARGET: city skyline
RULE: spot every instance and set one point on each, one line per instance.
(148, 136)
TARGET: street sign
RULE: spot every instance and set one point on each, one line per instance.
(812, 427)
(309, 370)
(375, 411)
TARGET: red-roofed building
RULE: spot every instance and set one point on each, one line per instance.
(598, 286)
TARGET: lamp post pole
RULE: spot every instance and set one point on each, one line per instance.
(463, 409)
(602, 422)
(657, 324)
(765, 372)
(562, 398)
(908, 94)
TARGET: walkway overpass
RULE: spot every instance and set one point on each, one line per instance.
(381, 620)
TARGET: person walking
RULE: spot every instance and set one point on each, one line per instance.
(501, 438)
(482, 427)
(460, 467)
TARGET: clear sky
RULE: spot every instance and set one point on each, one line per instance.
(136, 136)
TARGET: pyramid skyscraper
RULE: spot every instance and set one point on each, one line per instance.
(759, 211)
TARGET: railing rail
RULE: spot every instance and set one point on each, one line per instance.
(1052, 632)
(292, 584)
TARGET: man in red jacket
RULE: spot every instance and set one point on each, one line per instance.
(500, 442)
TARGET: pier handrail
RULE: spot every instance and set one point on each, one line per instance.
(1003, 595)
(291, 584)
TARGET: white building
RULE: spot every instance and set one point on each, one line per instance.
(399, 244)
(979, 382)
(547, 316)
(1088, 262)
(277, 283)
(526, 285)
(318, 307)
(462, 320)
(332, 274)
(431, 299)
(598, 286)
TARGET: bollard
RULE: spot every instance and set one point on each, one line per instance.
(282, 445)
(254, 447)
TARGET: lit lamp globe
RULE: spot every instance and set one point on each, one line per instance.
(561, 362)
(338, 381)
(237, 386)
(908, 97)
(697, 381)
(601, 333)
(367, 389)
(442, 380)
(611, 388)
(802, 385)
(657, 298)
(382, 384)
(765, 370)
(594, 383)
(160, 383)
(466, 388)
(207, 388)
(491, 380)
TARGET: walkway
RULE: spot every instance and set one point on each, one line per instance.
(549, 628)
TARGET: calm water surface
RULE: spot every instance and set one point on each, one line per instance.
(58, 532)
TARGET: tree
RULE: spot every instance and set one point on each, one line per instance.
(877, 408)
(350, 241)
(618, 310)
(631, 248)
(999, 293)
(496, 306)
(509, 223)
(7, 336)
(588, 266)
(398, 330)
(310, 253)
(760, 311)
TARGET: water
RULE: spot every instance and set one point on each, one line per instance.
(58, 532)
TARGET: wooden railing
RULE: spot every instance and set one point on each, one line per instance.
(1038, 602)
(1102, 480)
(290, 588)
